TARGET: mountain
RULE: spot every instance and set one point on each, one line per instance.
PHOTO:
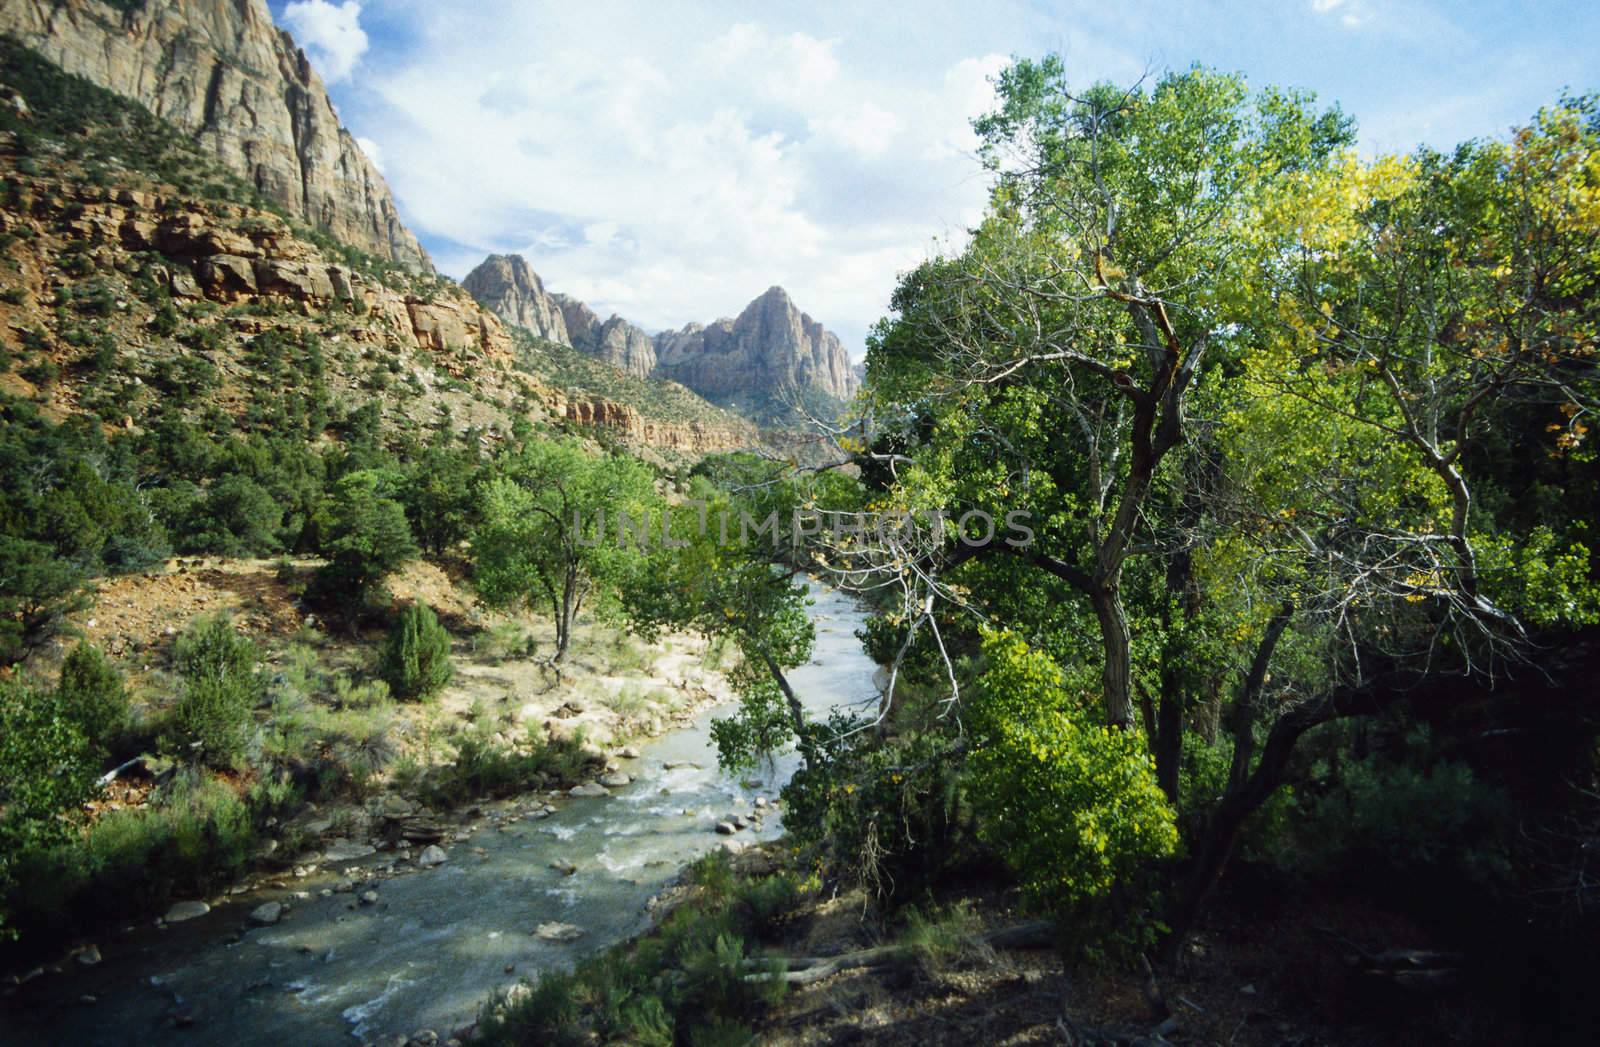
(147, 288)
(771, 349)
(506, 286)
(239, 87)
(757, 362)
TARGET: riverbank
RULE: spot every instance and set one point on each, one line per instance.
(383, 943)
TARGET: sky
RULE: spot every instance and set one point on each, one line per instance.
(669, 161)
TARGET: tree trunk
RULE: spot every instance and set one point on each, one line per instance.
(1117, 677)
(797, 715)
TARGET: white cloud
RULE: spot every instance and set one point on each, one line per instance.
(373, 150)
(1352, 12)
(330, 33)
(677, 172)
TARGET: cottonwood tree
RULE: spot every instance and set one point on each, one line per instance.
(559, 526)
(1209, 352)
(1051, 367)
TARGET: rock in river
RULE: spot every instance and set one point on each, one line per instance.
(346, 850)
(432, 855)
(266, 914)
(588, 789)
(616, 779)
(186, 911)
(558, 932)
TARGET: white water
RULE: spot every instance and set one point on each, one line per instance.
(438, 941)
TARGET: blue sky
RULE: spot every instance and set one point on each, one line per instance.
(669, 161)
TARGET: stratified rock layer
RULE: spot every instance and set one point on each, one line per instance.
(222, 72)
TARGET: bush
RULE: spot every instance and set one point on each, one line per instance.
(364, 534)
(45, 771)
(220, 688)
(193, 835)
(1073, 807)
(415, 661)
(92, 694)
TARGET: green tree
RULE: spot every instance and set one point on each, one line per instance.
(38, 590)
(236, 517)
(46, 772)
(558, 529)
(220, 688)
(91, 692)
(363, 533)
(415, 660)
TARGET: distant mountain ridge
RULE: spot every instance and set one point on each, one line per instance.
(223, 73)
(770, 351)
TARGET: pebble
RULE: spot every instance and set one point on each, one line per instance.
(369, 897)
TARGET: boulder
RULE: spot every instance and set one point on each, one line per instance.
(266, 914)
(588, 789)
(182, 911)
(346, 850)
(558, 932)
(432, 855)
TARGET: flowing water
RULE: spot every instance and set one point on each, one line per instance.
(436, 942)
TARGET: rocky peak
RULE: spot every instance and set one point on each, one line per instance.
(770, 347)
(508, 287)
(222, 72)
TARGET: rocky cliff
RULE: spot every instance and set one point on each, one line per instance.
(771, 347)
(223, 73)
(506, 286)
(770, 351)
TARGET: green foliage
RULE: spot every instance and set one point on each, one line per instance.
(415, 660)
(219, 691)
(46, 771)
(37, 592)
(1073, 806)
(550, 530)
(690, 981)
(886, 814)
(194, 835)
(235, 517)
(92, 694)
(1402, 815)
(363, 532)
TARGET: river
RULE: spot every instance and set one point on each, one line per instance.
(436, 942)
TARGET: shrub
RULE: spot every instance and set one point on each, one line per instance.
(92, 694)
(37, 592)
(1073, 807)
(220, 688)
(415, 660)
(364, 535)
(45, 771)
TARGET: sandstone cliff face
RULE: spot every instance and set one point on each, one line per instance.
(770, 347)
(221, 71)
(507, 287)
